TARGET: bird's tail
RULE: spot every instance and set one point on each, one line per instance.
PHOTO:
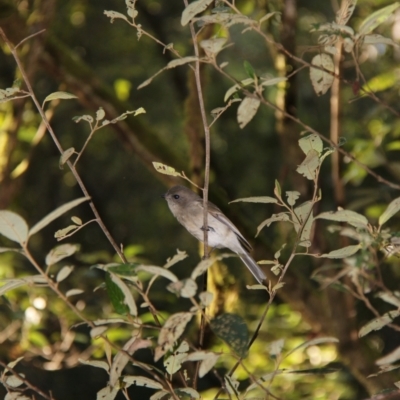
(253, 267)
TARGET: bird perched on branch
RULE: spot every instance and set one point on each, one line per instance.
(188, 209)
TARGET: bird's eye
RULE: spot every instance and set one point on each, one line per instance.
(176, 196)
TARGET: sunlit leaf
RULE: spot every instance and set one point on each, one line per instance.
(158, 271)
(65, 156)
(213, 46)
(60, 252)
(292, 196)
(377, 18)
(206, 298)
(179, 256)
(13, 227)
(186, 288)
(73, 292)
(311, 142)
(272, 81)
(115, 15)
(275, 218)
(346, 11)
(320, 79)
(378, 323)
(64, 273)
(95, 363)
(59, 96)
(392, 209)
(390, 358)
(170, 332)
(260, 199)
(165, 169)
(107, 393)
(56, 213)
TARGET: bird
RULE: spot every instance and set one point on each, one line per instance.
(187, 207)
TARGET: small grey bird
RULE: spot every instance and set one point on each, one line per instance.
(187, 208)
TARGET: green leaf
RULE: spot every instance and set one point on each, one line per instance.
(378, 323)
(377, 18)
(124, 269)
(311, 142)
(249, 70)
(351, 217)
(59, 95)
(165, 169)
(391, 210)
(344, 252)
(55, 214)
(260, 199)
(116, 296)
(232, 329)
(13, 227)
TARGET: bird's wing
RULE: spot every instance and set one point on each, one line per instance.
(218, 214)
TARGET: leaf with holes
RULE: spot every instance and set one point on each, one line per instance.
(247, 110)
(321, 80)
(232, 329)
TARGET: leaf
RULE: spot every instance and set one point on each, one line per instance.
(62, 233)
(344, 252)
(247, 110)
(99, 330)
(275, 347)
(292, 196)
(256, 287)
(115, 15)
(232, 385)
(171, 332)
(13, 381)
(390, 358)
(351, 217)
(65, 156)
(165, 169)
(174, 362)
(100, 114)
(13, 227)
(73, 292)
(63, 273)
(125, 296)
(260, 199)
(183, 393)
(179, 256)
(249, 70)
(378, 39)
(206, 298)
(181, 61)
(311, 142)
(232, 329)
(233, 89)
(60, 252)
(308, 168)
(272, 81)
(158, 271)
(392, 209)
(160, 395)
(142, 381)
(275, 217)
(378, 323)
(202, 267)
(322, 80)
(55, 214)
(186, 288)
(207, 364)
(59, 95)
(391, 298)
(107, 393)
(377, 18)
(95, 363)
(345, 12)
(194, 8)
(213, 46)
(76, 220)
(304, 221)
